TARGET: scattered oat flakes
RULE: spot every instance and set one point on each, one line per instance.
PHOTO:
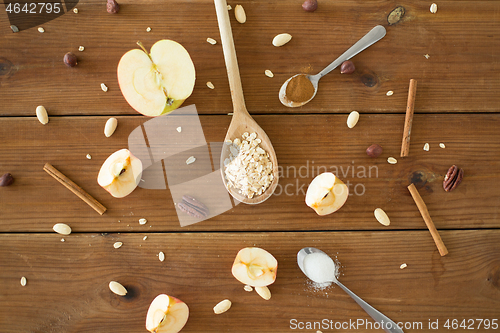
(145, 237)
(434, 8)
(89, 157)
(248, 167)
(211, 41)
(161, 256)
(229, 7)
(426, 147)
(143, 221)
(442, 145)
(23, 281)
(63, 240)
(179, 129)
(117, 245)
(14, 28)
(75, 10)
(190, 160)
(269, 73)
(392, 160)
(104, 87)
(41, 30)
(390, 93)
(81, 48)
(248, 288)
(148, 29)
(210, 85)
(403, 266)
(427, 56)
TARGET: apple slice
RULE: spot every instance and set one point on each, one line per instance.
(166, 314)
(120, 173)
(326, 194)
(158, 82)
(255, 267)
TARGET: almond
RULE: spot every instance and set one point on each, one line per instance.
(382, 217)
(281, 39)
(62, 228)
(110, 127)
(222, 306)
(41, 114)
(353, 119)
(263, 292)
(117, 288)
(239, 13)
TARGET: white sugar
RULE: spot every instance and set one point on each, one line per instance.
(320, 268)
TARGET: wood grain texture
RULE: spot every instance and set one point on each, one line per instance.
(67, 282)
(305, 146)
(461, 39)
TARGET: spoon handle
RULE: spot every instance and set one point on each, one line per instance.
(387, 324)
(369, 39)
(233, 72)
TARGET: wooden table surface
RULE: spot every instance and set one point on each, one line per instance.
(457, 103)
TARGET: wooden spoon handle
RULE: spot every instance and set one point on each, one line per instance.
(233, 72)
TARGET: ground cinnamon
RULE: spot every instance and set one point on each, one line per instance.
(299, 89)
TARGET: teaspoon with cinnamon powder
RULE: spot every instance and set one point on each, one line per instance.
(301, 88)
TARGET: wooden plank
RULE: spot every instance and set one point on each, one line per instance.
(461, 74)
(67, 282)
(305, 145)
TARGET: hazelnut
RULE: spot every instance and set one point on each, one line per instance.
(70, 59)
(347, 67)
(374, 150)
(310, 5)
(112, 6)
(6, 179)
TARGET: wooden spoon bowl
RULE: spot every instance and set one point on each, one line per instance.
(242, 121)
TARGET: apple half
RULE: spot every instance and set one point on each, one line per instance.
(255, 267)
(120, 173)
(158, 82)
(166, 314)
(326, 194)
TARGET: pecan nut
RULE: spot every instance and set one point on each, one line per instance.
(193, 207)
(453, 178)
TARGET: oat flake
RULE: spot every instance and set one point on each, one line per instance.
(143, 221)
(81, 48)
(426, 56)
(392, 160)
(148, 29)
(190, 160)
(248, 288)
(23, 281)
(179, 129)
(75, 10)
(41, 30)
(104, 87)
(269, 73)
(211, 41)
(390, 93)
(89, 157)
(210, 85)
(161, 256)
(403, 266)
(117, 245)
(145, 237)
(442, 145)
(426, 147)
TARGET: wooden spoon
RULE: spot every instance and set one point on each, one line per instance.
(242, 121)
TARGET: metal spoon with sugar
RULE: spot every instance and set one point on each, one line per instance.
(320, 268)
(369, 39)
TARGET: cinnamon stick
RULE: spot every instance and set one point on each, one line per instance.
(410, 104)
(427, 218)
(98, 207)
